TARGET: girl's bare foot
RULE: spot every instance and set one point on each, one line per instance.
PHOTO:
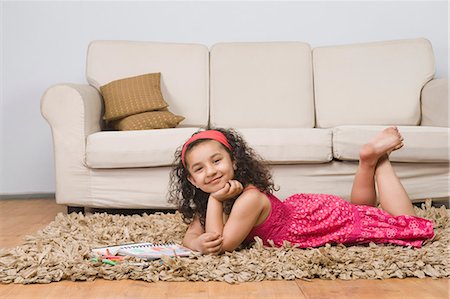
(382, 144)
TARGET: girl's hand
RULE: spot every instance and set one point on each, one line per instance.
(209, 243)
(229, 191)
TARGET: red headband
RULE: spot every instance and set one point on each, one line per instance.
(209, 134)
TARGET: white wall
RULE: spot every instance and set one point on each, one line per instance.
(44, 43)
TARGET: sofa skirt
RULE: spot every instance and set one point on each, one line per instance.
(148, 187)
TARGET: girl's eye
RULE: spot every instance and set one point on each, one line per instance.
(216, 161)
(197, 169)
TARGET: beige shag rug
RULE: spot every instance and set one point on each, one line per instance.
(63, 251)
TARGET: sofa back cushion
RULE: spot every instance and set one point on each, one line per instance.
(261, 85)
(371, 84)
(184, 72)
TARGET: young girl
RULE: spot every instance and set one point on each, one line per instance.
(224, 191)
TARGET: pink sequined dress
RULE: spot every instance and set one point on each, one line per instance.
(312, 220)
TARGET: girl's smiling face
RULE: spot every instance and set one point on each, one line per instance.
(210, 166)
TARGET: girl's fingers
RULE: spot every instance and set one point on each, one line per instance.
(233, 184)
(238, 184)
(215, 243)
(235, 187)
(212, 236)
(215, 249)
(231, 189)
(225, 188)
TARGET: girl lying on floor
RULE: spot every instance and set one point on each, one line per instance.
(224, 191)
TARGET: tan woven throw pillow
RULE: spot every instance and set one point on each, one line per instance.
(148, 121)
(132, 95)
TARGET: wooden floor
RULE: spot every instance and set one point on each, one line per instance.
(25, 216)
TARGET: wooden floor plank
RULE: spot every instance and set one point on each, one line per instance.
(21, 217)
(139, 289)
(255, 290)
(409, 288)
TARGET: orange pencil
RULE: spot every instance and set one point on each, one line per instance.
(113, 257)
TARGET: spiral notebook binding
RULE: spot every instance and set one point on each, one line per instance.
(167, 244)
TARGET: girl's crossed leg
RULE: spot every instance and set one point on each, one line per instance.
(392, 194)
(374, 165)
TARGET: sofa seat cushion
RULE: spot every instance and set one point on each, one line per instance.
(421, 144)
(290, 145)
(128, 149)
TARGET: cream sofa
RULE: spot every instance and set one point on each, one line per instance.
(307, 111)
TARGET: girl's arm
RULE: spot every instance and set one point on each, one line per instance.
(214, 211)
(196, 239)
(243, 217)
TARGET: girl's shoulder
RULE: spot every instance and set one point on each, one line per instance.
(252, 193)
(257, 201)
(251, 187)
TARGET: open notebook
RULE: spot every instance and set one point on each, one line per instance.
(144, 250)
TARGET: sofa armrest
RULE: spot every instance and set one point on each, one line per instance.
(73, 112)
(73, 108)
(435, 103)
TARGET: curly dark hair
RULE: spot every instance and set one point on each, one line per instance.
(250, 169)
